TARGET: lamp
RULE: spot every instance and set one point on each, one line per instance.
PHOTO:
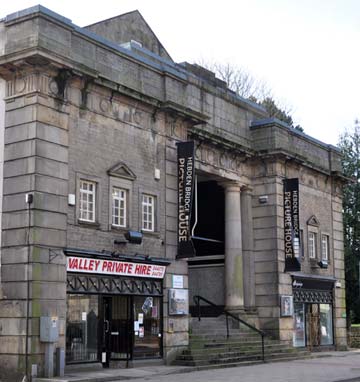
(133, 237)
(323, 264)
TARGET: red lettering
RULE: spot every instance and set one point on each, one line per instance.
(104, 266)
(73, 263)
(130, 269)
(97, 262)
(91, 265)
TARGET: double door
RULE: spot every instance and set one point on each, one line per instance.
(104, 328)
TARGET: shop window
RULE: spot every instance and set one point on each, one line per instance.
(325, 247)
(82, 322)
(119, 207)
(87, 193)
(326, 324)
(312, 245)
(148, 212)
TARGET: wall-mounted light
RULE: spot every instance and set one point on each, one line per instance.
(133, 237)
(323, 264)
(263, 199)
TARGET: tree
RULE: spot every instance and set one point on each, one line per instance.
(247, 86)
(350, 147)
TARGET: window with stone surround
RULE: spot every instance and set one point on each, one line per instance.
(87, 193)
(325, 247)
(119, 207)
(148, 212)
(312, 245)
(121, 179)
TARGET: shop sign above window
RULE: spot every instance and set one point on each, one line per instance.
(113, 267)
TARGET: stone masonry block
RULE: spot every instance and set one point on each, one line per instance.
(51, 185)
(20, 116)
(46, 236)
(12, 326)
(19, 150)
(53, 151)
(14, 237)
(52, 168)
(19, 167)
(24, 183)
(12, 308)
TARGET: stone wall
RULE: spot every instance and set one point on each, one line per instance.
(354, 337)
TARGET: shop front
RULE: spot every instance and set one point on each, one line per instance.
(114, 307)
(313, 311)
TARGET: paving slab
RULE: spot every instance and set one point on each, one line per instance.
(323, 367)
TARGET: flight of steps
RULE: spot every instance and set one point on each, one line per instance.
(210, 348)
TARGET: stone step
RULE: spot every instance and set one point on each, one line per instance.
(239, 349)
(243, 359)
(209, 343)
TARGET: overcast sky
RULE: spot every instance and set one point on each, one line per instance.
(308, 51)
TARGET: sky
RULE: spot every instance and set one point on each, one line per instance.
(306, 51)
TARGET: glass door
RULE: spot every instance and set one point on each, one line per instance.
(147, 327)
(117, 333)
(312, 325)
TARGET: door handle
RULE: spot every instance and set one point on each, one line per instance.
(107, 326)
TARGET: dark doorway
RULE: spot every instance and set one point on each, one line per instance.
(209, 232)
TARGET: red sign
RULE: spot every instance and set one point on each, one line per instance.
(113, 267)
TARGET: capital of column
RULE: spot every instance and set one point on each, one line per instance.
(235, 186)
(231, 186)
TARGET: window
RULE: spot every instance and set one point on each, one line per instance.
(87, 201)
(119, 207)
(312, 245)
(325, 247)
(148, 213)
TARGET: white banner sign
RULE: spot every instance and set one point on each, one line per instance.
(113, 267)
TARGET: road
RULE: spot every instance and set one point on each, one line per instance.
(328, 369)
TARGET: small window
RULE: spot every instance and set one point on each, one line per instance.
(312, 245)
(148, 213)
(87, 201)
(325, 247)
(119, 207)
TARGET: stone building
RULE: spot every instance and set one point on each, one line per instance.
(90, 119)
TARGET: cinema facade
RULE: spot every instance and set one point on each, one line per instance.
(132, 183)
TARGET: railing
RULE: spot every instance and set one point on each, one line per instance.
(197, 300)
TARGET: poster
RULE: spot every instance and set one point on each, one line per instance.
(141, 318)
(141, 332)
(287, 307)
(178, 301)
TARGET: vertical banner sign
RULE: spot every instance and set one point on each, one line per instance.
(291, 225)
(186, 175)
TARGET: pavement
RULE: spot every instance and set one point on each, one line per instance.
(323, 367)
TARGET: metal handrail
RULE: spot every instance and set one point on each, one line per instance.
(197, 299)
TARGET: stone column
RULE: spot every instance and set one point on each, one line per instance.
(234, 290)
(248, 248)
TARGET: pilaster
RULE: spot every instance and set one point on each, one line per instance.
(33, 270)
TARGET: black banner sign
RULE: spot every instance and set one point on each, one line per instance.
(291, 225)
(186, 175)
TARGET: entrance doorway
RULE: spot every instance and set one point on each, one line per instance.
(313, 325)
(102, 328)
